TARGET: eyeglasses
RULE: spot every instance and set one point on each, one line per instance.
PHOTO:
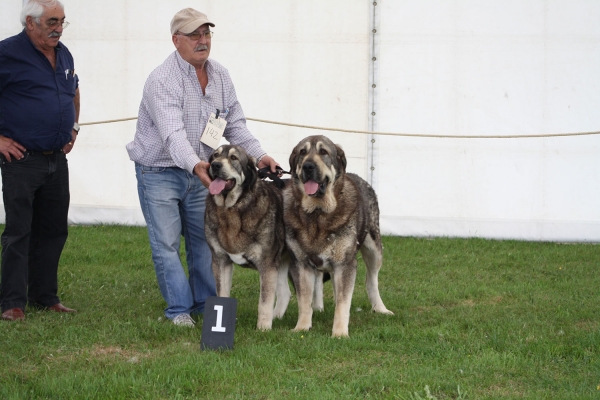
(54, 23)
(197, 35)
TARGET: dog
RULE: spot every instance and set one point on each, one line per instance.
(329, 216)
(244, 225)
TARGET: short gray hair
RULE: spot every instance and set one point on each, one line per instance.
(35, 9)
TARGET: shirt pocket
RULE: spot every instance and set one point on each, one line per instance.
(67, 82)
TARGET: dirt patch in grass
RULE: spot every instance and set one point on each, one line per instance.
(588, 326)
(131, 356)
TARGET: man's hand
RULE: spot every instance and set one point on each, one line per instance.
(201, 170)
(267, 161)
(9, 147)
(69, 146)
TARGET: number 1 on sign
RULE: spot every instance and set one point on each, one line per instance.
(219, 327)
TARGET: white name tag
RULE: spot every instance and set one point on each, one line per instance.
(214, 131)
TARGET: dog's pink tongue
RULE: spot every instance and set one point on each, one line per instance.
(311, 187)
(217, 186)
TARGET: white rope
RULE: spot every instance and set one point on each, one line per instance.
(385, 133)
(107, 121)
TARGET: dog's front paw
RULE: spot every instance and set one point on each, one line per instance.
(302, 327)
(263, 326)
(339, 333)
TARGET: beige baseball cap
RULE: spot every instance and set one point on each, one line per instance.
(188, 20)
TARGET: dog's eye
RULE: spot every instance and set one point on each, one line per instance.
(302, 152)
(233, 158)
(323, 152)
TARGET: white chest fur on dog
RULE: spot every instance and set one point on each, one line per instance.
(238, 258)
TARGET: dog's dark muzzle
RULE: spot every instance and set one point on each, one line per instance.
(309, 171)
(215, 168)
(311, 177)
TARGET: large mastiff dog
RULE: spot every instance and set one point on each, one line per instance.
(329, 216)
(244, 225)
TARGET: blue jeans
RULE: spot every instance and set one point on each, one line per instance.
(173, 202)
(36, 200)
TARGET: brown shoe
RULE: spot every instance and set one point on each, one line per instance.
(58, 307)
(14, 314)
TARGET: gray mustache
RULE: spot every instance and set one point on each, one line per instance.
(201, 47)
(54, 34)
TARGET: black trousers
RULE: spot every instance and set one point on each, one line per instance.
(36, 201)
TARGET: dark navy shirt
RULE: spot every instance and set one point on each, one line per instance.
(36, 102)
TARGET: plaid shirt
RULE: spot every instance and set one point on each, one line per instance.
(174, 112)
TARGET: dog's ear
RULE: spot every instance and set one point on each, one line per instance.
(341, 158)
(250, 173)
(293, 161)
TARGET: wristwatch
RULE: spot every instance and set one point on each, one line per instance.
(76, 127)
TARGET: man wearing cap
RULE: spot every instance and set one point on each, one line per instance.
(39, 108)
(171, 161)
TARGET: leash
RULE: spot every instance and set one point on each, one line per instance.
(265, 172)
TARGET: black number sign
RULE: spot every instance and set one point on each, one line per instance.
(218, 325)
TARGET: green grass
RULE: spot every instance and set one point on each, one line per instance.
(474, 319)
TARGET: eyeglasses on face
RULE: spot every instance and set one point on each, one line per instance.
(54, 23)
(197, 35)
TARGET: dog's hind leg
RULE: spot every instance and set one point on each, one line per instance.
(283, 289)
(317, 303)
(372, 255)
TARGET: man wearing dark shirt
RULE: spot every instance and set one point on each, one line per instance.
(39, 110)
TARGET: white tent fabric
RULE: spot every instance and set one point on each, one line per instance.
(467, 67)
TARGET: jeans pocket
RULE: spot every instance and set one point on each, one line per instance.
(14, 160)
